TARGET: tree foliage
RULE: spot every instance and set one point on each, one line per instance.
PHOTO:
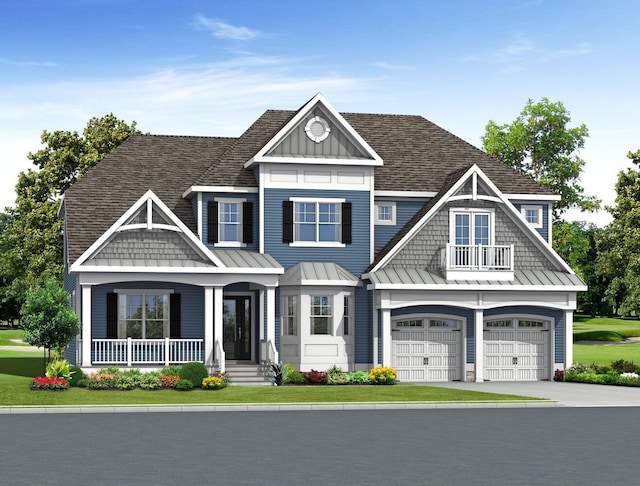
(619, 247)
(31, 241)
(540, 144)
(47, 318)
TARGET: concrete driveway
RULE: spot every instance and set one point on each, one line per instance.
(568, 394)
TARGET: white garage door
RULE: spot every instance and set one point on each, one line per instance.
(427, 349)
(516, 350)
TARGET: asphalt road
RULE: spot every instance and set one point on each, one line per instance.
(564, 446)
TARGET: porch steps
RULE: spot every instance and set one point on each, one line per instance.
(244, 373)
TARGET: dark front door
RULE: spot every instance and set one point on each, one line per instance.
(237, 327)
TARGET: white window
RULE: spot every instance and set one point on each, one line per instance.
(290, 315)
(230, 221)
(143, 315)
(316, 221)
(470, 229)
(533, 215)
(409, 323)
(346, 316)
(321, 315)
(385, 213)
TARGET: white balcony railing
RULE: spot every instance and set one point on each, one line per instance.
(478, 262)
(146, 351)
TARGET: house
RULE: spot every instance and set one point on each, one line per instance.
(318, 238)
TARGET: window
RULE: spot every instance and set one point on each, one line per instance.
(385, 213)
(531, 324)
(320, 314)
(143, 316)
(346, 316)
(290, 316)
(472, 228)
(503, 323)
(324, 222)
(230, 222)
(443, 323)
(409, 323)
(533, 215)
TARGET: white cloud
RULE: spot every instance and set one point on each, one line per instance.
(223, 30)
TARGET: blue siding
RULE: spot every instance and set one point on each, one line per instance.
(354, 257)
(461, 312)
(363, 348)
(405, 210)
(226, 195)
(544, 231)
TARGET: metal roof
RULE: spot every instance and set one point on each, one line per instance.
(247, 259)
(318, 273)
(419, 278)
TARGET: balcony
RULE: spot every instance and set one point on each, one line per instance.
(478, 262)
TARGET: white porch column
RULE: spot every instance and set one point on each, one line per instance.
(568, 339)
(386, 337)
(208, 326)
(86, 325)
(376, 338)
(271, 317)
(261, 322)
(218, 312)
(479, 345)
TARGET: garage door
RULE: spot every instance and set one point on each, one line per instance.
(427, 349)
(516, 350)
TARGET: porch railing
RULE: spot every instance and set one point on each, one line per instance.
(147, 351)
(219, 356)
(479, 257)
(268, 351)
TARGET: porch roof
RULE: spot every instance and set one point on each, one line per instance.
(318, 273)
(417, 278)
(247, 259)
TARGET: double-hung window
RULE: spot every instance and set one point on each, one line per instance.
(143, 315)
(321, 314)
(322, 222)
(290, 315)
(230, 222)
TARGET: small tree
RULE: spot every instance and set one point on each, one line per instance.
(47, 318)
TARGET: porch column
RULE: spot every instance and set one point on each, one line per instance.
(208, 326)
(386, 337)
(568, 339)
(271, 317)
(261, 316)
(85, 304)
(218, 312)
(479, 345)
(376, 338)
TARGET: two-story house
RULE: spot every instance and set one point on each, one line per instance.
(318, 238)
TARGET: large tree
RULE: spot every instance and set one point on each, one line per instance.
(31, 241)
(619, 247)
(539, 143)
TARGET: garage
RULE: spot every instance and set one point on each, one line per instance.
(516, 349)
(427, 349)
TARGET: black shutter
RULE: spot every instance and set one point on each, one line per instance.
(287, 221)
(346, 223)
(212, 222)
(112, 315)
(174, 316)
(247, 222)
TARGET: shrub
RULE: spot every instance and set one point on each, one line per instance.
(558, 375)
(48, 383)
(59, 368)
(383, 375)
(104, 379)
(215, 382)
(195, 372)
(168, 381)
(294, 377)
(171, 371)
(358, 378)
(149, 381)
(277, 372)
(315, 377)
(335, 376)
(126, 382)
(77, 376)
(184, 385)
(622, 366)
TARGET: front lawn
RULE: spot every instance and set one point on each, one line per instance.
(604, 329)
(11, 337)
(606, 353)
(17, 369)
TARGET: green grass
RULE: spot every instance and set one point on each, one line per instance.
(604, 329)
(17, 369)
(7, 337)
(605, 353)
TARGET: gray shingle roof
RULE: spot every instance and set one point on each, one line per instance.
(418, 156)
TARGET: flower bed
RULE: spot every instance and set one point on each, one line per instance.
(285, 374)
(621, 373)
(49, 383)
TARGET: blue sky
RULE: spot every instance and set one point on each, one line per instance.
(212, 67)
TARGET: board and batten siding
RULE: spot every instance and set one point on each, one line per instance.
(248, 197)
(405, 210)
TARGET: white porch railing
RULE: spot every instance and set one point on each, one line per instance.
(268, 351)
(479, 257)
(146, 351)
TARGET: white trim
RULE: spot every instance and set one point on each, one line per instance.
(262, 178)
(329, 200)
(392, 213)
(199, 212)
(198, 245)
(532, 197)
(500, 287)
(405, 194)
(318, 99)
(231, 243)
(230, 189)
(318, 244)
(325, 126)
(533, 207)
(177, 270)
(138, 291)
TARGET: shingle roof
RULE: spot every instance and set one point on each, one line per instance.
(418, 156)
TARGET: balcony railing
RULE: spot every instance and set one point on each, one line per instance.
(478, 262)
(146, 351)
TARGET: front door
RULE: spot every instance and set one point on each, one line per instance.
(237, 327)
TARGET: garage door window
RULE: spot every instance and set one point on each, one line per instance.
(499, 324)
(530, 324)
(443, 324)
(409, 323)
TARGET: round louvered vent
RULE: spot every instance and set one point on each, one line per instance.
(317, 129)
